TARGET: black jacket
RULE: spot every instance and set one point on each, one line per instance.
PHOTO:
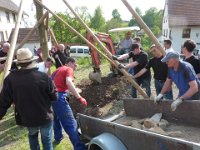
(62, 58)
(32, 92)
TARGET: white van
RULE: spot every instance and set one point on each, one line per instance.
(79, 51)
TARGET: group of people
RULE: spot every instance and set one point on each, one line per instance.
(41, 101)
(166, 69)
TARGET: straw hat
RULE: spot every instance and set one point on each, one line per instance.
(24, 55)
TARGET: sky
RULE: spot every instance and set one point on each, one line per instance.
(107, 7)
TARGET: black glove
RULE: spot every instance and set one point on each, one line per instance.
(114, 57)
(121, 66)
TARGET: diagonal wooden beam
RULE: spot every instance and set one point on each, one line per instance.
(115, 63)
(13, 41)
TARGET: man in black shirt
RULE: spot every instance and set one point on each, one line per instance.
(59, 56)
(188, 48)
(160, 70)
(140, 60)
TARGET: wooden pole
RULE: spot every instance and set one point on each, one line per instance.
(53, 36)
(42, 28)
(32, 31)
(107, 51)
(115, 63)
(144, 26)
(13, 41)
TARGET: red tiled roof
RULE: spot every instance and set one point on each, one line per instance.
(184, 12)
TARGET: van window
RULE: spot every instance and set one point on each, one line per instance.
(73, 50)
(80, 50)
(86, 51)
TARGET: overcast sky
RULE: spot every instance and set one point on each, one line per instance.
(107, 7)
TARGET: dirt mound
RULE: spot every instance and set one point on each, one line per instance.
(98, 95)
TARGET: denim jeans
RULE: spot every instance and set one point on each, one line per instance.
(46, 136)
(65, 118)
(145, 84)
(131, 71)
(158, 85)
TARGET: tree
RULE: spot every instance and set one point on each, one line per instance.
(153, 19)
(116, 15)
(133, 22)
(62, 33)
(98, 21)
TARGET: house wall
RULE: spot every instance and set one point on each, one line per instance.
(5, 26)
(165, 24)
(176, 36)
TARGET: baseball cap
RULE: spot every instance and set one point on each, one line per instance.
(170, 55)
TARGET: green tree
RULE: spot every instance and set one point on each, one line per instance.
(116, 15)
(97, 22)
(62, 33)
(153, 19)
(133, 22)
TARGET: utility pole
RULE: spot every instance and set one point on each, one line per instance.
(42, 28)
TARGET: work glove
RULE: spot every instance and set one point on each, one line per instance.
(176, 103)
(114, 57)
(83, 101)
(121, 66)
(158, 98)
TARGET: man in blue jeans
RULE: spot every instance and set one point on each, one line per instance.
(185, 78)
(160, 71)
(63, 79)
(140, 60)
(31, 92)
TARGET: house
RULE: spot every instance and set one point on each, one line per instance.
(33, 40)
(8, 18)
(181, 21)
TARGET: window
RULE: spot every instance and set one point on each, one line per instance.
(73, 50)
(80, 50)
(0, 18)
(14, 17)
(1, 36)
(8, 16)
(86, 51)
(186, 33)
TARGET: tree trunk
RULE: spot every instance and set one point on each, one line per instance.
(42, 28)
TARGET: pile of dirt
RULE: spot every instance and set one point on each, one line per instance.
(109, 92)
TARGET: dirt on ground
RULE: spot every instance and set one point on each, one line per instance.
(103, 99)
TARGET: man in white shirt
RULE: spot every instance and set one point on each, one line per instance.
(168, 46)
(45, 66)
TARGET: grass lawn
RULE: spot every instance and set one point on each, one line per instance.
(13, 137)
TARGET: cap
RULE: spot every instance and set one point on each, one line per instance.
(170, 55)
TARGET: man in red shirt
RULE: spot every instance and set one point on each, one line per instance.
(63, 79)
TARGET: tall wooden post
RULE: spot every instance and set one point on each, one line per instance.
(13, 41)
(42, 28)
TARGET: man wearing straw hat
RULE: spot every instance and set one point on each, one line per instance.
(31, 92)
